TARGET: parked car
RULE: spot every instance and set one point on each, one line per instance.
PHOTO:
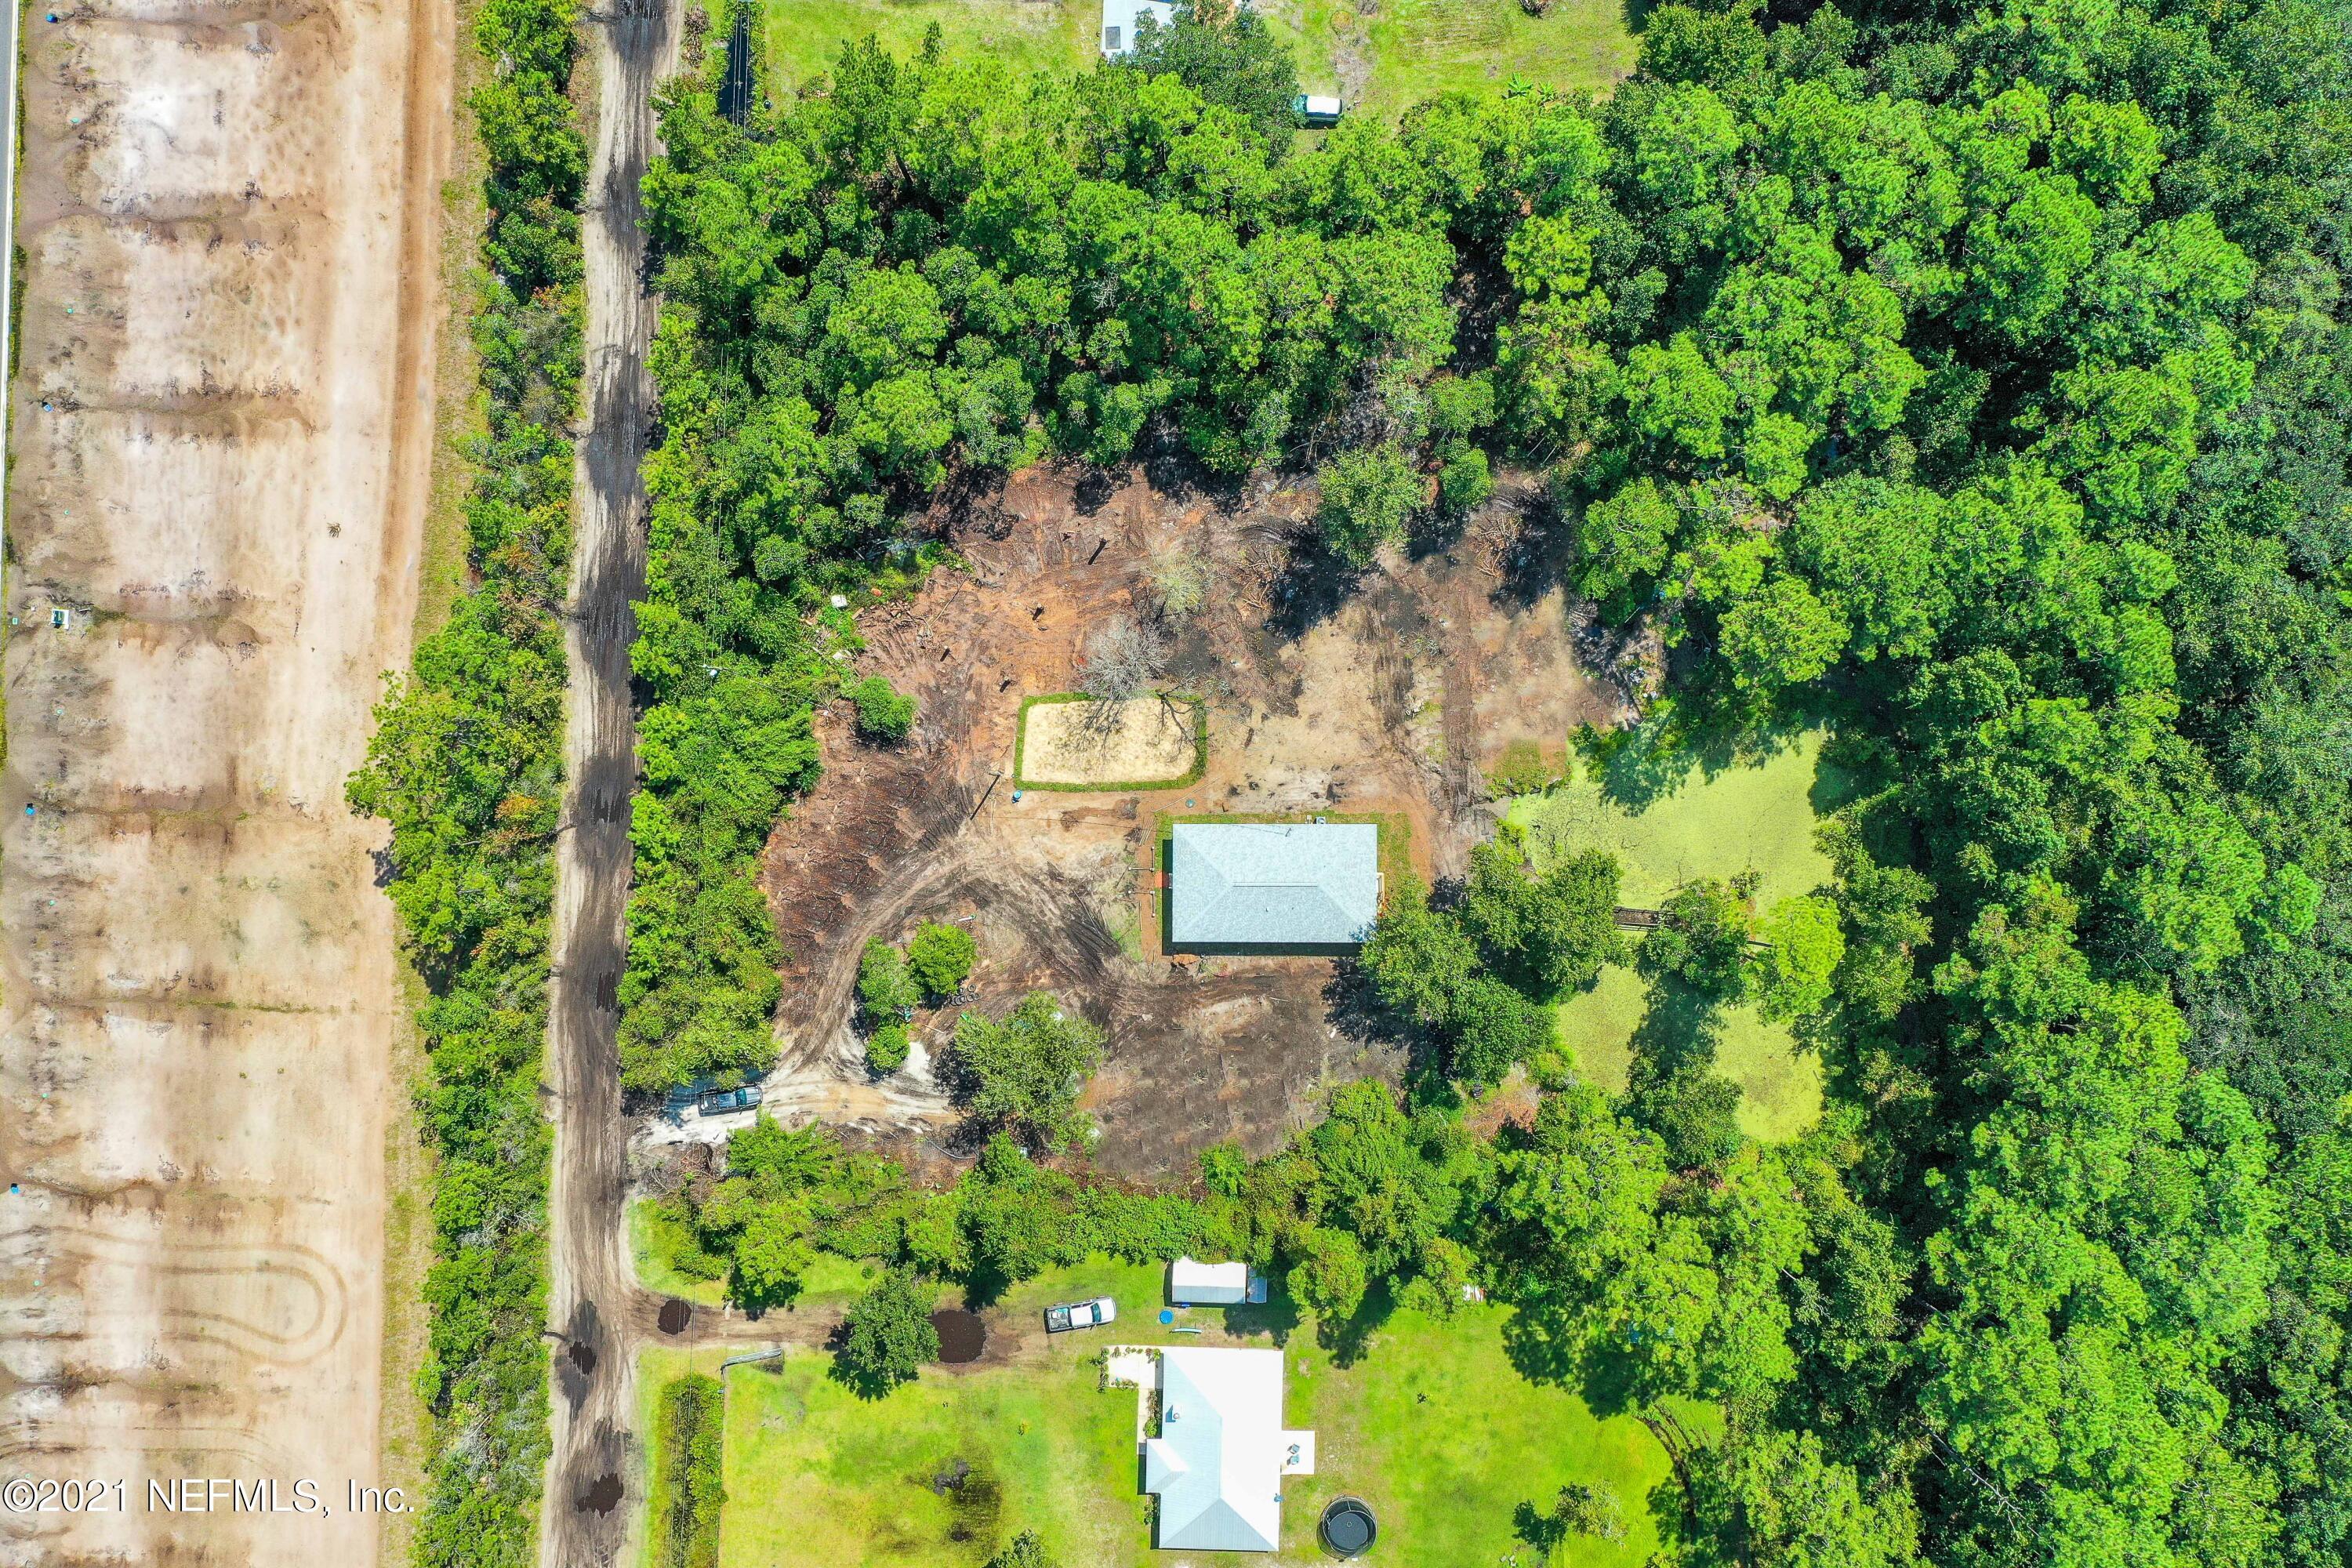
(1091, 1314)
(719, 1101)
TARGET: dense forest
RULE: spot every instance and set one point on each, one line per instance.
(1973, 382)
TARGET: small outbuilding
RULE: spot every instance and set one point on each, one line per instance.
(1195, 1284)
(1119, 18)
(1316, 112)
(1272, 887)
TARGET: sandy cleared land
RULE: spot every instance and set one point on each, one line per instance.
(1384, 696)
(220, 430)
(1142, 740)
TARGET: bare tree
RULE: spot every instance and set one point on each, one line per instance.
(1123, 658)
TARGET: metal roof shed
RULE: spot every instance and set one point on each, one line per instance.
(1256, 887)
(1195, 1284)
(1119, 18)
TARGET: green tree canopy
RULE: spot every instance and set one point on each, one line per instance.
(940, 957)
(887, 1336)
(1022, 1073)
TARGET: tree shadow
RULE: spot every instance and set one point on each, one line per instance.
(1542, 1345)
(1435, 530)
(1679, 1026)
(1309, 589)
(1349, 1339)
(985, 1286)
(1353, 1008)
(1537, 1529)
(1093, 491)
(1606, 1378)
(863, 1382)
(1277, 1317)
(1637, 766)
(1672, 1088)
(1537, 559)
(1172, 468)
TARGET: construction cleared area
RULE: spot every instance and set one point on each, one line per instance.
(1383, 700)
(221, 420)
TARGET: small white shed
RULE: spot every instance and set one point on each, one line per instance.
(1119, 18)
(1194, 1284)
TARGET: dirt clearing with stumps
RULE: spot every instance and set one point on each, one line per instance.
(1385, 697)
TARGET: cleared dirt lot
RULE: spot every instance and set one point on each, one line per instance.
(1147, 738)
(221, 428)
(1383, 697)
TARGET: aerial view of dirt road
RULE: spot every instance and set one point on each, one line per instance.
(221, 427)
(583, 1522)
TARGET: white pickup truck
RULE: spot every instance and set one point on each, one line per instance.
(1091, 1314)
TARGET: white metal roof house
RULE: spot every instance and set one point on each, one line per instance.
(1249, 887)
(1218, 1463)
(1119, 18)
(1195, 1284)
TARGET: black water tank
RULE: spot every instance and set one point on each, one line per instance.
(1348, 1527)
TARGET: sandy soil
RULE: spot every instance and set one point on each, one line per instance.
(595, 1481)
(1381, 696)
(1094, 742)
(222, 424)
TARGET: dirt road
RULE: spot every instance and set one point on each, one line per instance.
(591, 1490)
(221, 432)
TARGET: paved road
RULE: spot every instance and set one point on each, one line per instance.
(591, 1488)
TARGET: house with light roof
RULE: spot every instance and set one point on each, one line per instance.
(1272, 887)
(1218, 1462)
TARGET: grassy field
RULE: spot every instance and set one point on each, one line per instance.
(653, 1242)
(1405, 51)
(1757, 818)
(1433, 1426)
(1408, 50)
(803, 37)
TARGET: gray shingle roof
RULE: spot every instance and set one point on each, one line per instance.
(1237, 884)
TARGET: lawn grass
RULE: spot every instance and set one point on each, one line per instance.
(1433, 1426)
(1419, 49)
(654, 1240)
(1414, 49)
(1754, 818)
(804, 37)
